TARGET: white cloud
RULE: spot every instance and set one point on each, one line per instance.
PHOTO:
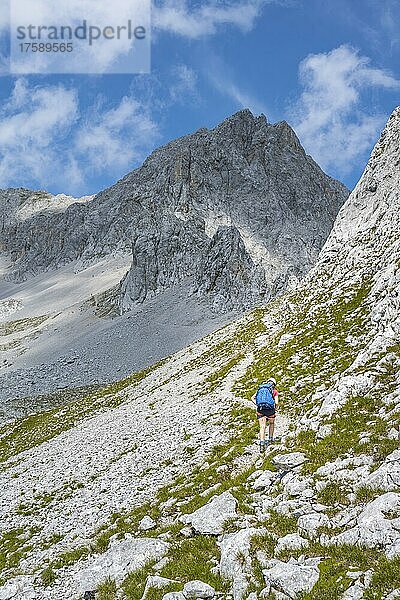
(177, 17)
(328, 117)
(114, 138)
(30, 122)
(184, 84)
(103, 55)
(46, 140)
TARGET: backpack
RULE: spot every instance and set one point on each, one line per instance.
(264, 395)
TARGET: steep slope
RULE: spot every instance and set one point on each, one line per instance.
(317, 517)
(214, 222)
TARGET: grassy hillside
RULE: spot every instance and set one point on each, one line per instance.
(311, 345)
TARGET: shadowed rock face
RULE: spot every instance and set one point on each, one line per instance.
(240, 212)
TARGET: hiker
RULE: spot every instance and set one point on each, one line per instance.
(266, 399)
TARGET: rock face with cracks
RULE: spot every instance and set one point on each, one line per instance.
(316, 516)
(210, 225)
(238, 212)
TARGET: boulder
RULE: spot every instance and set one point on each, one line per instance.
(155, 582)
(357, 589)
(121, 558)
(295, 485)
(20, 587)
(290, 578)
(387, 476)
(198, 589)
(147, 523)
(210, 518)
(234, 548)
(346, 387)
(295, 507)
(264, 480)
(310, 523)
(393, 550)
(374, 527)
(354, 592)
(289, 461)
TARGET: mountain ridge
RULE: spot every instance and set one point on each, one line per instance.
(209, 226)
(316, 517)
(185, 193)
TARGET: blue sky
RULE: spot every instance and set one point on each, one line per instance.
(331, 68)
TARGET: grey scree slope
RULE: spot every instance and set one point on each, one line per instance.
(229, 217)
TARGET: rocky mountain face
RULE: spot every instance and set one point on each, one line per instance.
(154, 487)
(211, 224)
(238, 212)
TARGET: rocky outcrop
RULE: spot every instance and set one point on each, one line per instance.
(240, 212)
(121, 558)
(210, 519)
(317, 514)
(364, 240)
(288, 580)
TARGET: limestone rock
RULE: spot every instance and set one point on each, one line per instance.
(294, 485)
(373, 527)
(235, 547)
(290, 578)
(289, 461)
(310, 523)
(238, 212)
(155, 582)
(210, 518)
(357, 589)
(387, 476)
(20, 587)
(264, 480)
(121, 558)
(291, 541)
(198, 589)
(147, 523)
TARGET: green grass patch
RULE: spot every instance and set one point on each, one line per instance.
(281, 525)
(47, 576)
(333, 493)
(194, 558)
(10, 327)
(14, 545)
(337, 560)
(107, 590)
(134, 583)
(385, 579)
(366, 494)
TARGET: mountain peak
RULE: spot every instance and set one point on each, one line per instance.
(242, 119)
(244, 173)
(388, 143)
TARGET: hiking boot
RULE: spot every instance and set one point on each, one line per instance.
(262, 446)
